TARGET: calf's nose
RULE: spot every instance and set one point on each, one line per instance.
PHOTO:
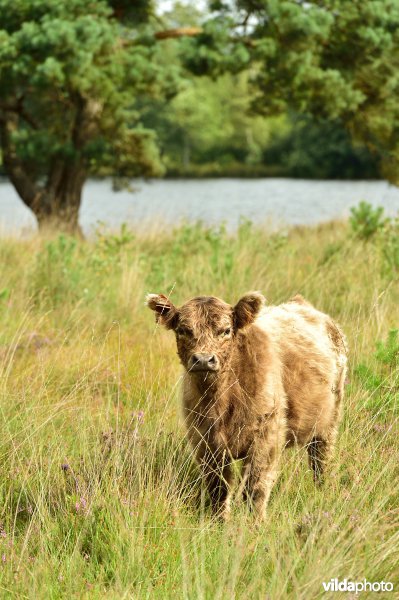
(204, 362)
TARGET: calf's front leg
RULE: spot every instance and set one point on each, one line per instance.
(261, 469)
(218, 476)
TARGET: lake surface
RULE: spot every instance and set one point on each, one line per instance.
(279, 201)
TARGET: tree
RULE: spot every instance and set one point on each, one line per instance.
(318, 149)
(208, 125)
(69, 76)
(333, 59)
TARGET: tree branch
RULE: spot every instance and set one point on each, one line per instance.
(27, 189)
(193, 32)
(19, 109)
(180, 32)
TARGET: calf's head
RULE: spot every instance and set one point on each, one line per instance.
(205, 328)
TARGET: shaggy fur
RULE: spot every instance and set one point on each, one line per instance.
(278, 379)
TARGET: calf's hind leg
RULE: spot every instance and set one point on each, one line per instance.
(321, 446)
(320, 449)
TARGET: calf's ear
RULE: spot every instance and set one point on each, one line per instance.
(247, 309)
(165, 312)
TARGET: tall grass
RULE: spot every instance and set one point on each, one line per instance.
(99, 494)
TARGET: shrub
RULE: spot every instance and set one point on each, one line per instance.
(382, 377)
(366, 220)
(388, 352)
(58, 273)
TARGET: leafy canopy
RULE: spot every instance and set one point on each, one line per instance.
(334, 59)
(57, 58)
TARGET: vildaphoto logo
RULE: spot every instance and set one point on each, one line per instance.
(345, 585)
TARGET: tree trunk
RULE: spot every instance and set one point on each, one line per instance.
(61, 198)
(57, 203)
(186, 156)
(63, 216)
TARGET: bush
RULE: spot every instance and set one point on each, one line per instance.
(366, 220)
(59, 272)
(382, 377)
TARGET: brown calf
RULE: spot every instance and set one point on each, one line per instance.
(256, 379)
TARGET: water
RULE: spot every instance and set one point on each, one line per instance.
(282, 201)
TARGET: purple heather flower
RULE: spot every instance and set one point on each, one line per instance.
(139, 416)
(81, 505)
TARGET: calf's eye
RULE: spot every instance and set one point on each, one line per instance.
(184, 332)
(225, 332)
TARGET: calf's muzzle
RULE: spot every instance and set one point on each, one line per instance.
(203, 362)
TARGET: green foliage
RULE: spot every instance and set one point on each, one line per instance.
(388, 352)
(55, 54)
(129, 12)
(84, 87)
(209, 54)
(209, 124)
(69, 77)
(368, 377)
(4, 294)
(66, 271)
(165, 269)
(369, 223)
(209, 129)
(59, 274)
(381, 378)
(335, 60)
(313, 148)
(365, 220)
(112, 245)
(166, 265)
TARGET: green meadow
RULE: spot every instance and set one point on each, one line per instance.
(99, 493)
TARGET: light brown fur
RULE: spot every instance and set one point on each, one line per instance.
(280, 380)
